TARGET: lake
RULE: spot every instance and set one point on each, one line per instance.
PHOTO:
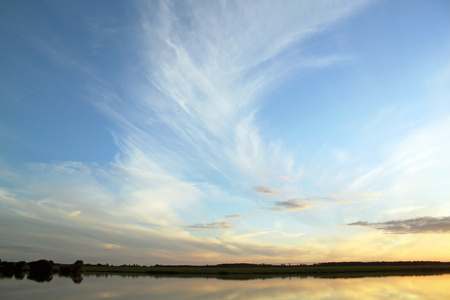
(148, 287)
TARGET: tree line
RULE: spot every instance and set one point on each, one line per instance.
(42, 270)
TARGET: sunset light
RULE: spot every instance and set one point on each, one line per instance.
(206, 132)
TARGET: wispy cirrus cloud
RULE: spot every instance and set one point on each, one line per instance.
(195, 111)
(187, 124)
(422, 151)
(416, 225)
(206, 67)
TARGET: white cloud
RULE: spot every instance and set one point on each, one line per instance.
(421, 154)
(210, 63)
(188, 126)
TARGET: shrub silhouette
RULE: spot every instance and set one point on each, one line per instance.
(73, 271)
(75, 268)
(42, 266)
(41, 270)
(78, 266)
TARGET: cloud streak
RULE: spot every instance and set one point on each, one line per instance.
(213, 225)
(189, 118)
(416, 225)
(207, 66)
(265, 190)
(189, 136)
(289, 205)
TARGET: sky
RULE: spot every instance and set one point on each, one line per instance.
(203, 132)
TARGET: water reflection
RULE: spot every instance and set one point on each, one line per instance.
(76, 278)
(137, 287)
(40, 277)
(10, 274)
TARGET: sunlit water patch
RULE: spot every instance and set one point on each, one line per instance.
(147, 287)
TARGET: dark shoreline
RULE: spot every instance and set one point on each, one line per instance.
(252, 271)
(244, 271)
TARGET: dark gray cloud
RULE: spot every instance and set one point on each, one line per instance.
(417, 225)
(361, 223)
(265, 190)
(289, 205)
(213, 225)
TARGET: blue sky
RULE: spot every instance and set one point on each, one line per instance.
(224, 131)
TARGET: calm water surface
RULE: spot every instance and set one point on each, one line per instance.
(146, 287)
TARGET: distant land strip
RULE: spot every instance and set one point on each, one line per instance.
(330, 269)
(244, 270)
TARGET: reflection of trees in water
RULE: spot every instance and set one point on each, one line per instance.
(76, 278)
(7, 272)
(40, 277)
(19, 275)
(10, 269)
(125, 275)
